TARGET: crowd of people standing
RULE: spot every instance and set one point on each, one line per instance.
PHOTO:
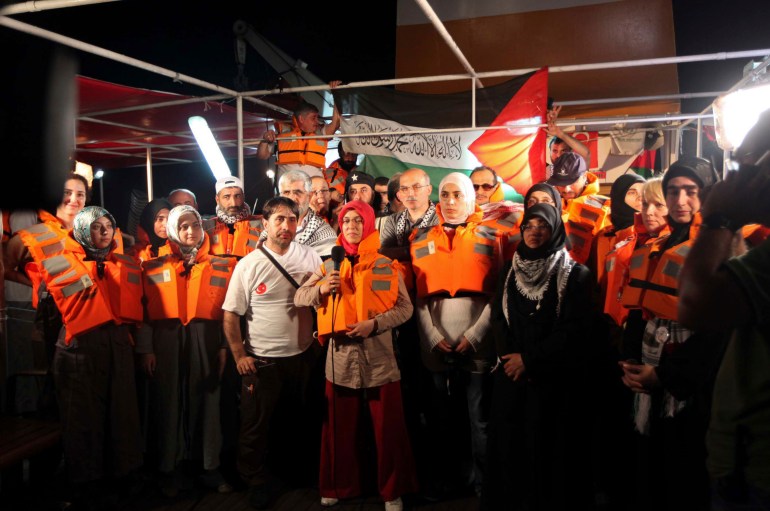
(558, 353)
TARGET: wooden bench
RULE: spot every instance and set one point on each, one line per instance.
(22, 438)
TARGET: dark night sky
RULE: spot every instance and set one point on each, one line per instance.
(196, 38)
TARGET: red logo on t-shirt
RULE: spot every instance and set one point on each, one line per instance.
(261, 289)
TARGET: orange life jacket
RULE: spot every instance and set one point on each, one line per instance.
(653, 275)
(605, 242)
(242, 241)
(508, 229)
(336, 176)
(755, 234)
(367, 289)
(86, 300)
(173, 294)
(584, 217)
(146, 253)
(47, 238)
(306, 151)
(469, 264)
(616, 266)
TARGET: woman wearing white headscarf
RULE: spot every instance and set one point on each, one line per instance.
(456, 264)
(185, 291)
(99, 294)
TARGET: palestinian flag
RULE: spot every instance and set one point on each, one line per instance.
(644, 164)
(379, 111)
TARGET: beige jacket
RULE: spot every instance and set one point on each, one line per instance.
(361, 363)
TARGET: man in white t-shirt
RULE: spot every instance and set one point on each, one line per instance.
(274, 357)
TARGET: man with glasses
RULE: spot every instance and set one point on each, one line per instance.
(486, 186)
(503, 216)
(312, 230)
(321, 201)
(414, 193)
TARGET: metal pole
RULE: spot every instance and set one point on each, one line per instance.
(101, 191)
(149, 174)
(24, 7)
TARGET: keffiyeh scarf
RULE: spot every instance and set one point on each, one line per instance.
(533, 276)
(242, 214)
(401, 233)
(311, 224)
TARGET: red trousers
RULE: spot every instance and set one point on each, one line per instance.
(340, 472)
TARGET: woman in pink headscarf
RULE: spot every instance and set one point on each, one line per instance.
(359, 299)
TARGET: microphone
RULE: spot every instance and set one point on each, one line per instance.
(338, 254)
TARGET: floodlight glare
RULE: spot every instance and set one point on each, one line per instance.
(209, 147)
(737, 112)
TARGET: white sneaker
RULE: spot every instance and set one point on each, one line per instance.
(394, 505)
(329, 501)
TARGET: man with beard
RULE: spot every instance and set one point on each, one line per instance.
(234, 231)
(336, 174)
(312, 230)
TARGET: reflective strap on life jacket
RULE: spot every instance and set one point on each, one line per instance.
(206, 288)
(42, 241)
(83, 305)
(662, 296)
(581, 239)
(366, 290)
(164, 299)
(470, 265)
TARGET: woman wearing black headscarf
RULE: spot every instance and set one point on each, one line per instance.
(541, 319)
(543, 193)
(151, 235)
(626, 200)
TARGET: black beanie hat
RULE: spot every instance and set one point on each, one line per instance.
(699, 170)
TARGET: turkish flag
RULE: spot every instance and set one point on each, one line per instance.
(516, 154)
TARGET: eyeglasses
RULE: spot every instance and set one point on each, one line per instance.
(296, 193)
(357, 220)
(485, 186)
(543, 227)
(320, 192)
(414, 188)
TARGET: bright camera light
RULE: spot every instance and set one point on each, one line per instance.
(270, 173)
(736, 113)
